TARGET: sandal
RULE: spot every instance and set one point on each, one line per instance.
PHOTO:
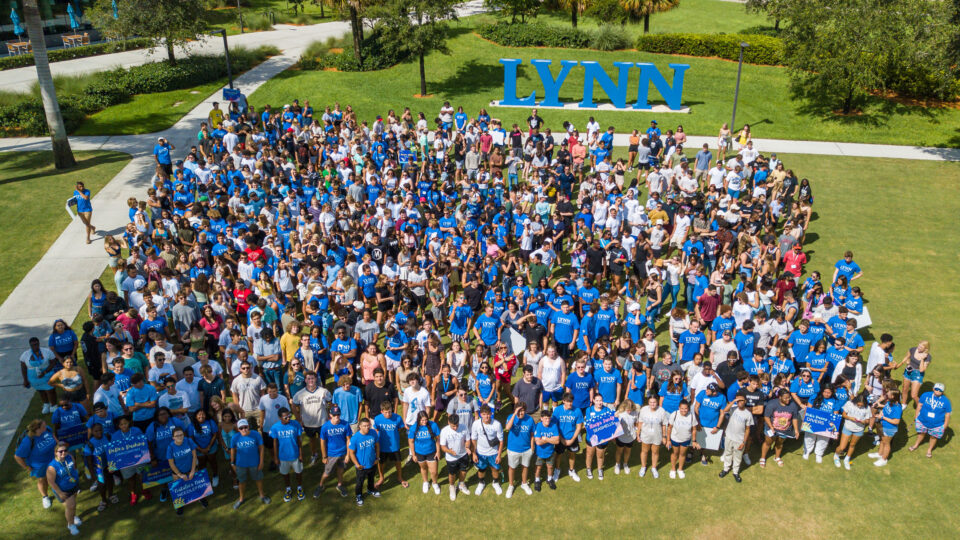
(929, 454)
(779, 461)
(102, 506)
(763, 463)
(912, 448)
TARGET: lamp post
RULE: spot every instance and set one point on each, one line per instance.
(736, 93)
(240, 16)
(226, 53)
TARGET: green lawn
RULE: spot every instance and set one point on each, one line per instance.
(255, 15)
(32, 194)
(147, 113)
(472, 76)
(699, 16)
(908, 253)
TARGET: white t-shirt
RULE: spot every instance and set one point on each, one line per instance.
(719, 350)
(653, 423)
(456, 441)
(192, 391)
(682, 426)
(550, 373)
(248, 391)
(418, 400)
(271, 408)
(481, 432)
(178, 400)
(313, 406)
(215, 367)
(628, 421)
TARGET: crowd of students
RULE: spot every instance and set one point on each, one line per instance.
(300, 274)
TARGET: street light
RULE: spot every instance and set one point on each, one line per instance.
(736, 93)
(226, 53)
(240, 16)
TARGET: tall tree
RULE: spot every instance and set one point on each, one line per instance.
(576, 7)
(354, 11)
(642, 9)
(169, 23)
(416, 27)
(773, 8)
(62, 154)
(515, 8)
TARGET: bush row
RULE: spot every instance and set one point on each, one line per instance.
(535, 35)
(764, 50)
(23, 60)
(116, 86)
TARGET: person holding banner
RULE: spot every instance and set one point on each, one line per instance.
(856, 418)
(95, 457)
(710, 408)
(933, 418)
(63, 477)
(816, 443)
(599, 449)
(125, 431)
(651, 424)
(182, 456)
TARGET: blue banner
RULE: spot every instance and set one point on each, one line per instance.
(128, 452)
(75, 436)
(602, 428)
(184, 492)
(156, 476)
(821, 423)
(231, 94)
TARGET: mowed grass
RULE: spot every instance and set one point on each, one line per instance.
(32, 195)
(473, 77)
(903, 235)
(147, 113)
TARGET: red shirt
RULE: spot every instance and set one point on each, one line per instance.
(708, 305)
(794, 261)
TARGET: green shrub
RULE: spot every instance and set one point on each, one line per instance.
(317, 55)
(610, 37)
(116, 86)
(535, 35)
(763, 50)
(24, 60)
(257, 22)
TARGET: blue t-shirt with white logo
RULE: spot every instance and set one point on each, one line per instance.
(364, 448)
(388, 431)
(248, 448)
(579, 386)
(521, 434)
(335, 435)
(288, 439)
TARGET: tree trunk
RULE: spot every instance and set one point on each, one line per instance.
(423, 77)
(573, 14)
(848, 101)
(321, 10)
(646, 23)
(776, 25)
(170, 56)
(62, 154)
(356, 30)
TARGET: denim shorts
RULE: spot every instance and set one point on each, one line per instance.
(847, 432)
(914, 375)
(889, 432)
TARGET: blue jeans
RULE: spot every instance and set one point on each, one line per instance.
(674, 292)
(651, 316)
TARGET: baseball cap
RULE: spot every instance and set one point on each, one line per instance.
(939, 386)
(335, 410)
(243, 423)
(714, 387)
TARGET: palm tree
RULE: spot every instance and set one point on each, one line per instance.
(637, 9)
(62, 154)
(354, 9)
(576, 7)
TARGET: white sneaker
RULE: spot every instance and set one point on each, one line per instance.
(880, 462)
(509, 491)
(77, 521)
(436, 489)
(215, 481)
(575, 476)
(819, 459)
(479, 489)
(599, 474)
(616, 468)
(673, 475)
(94, 487)
(526, 489)
(874, 455)
(846, 463)
(73, 529)
(496, 488)
(425, 487)
(47, 502)
(463, 488)
(746, 459)
(681, 475)
(655, 473)
(626, 469)
(806, 455)
(453, 493)
(46, 408)
(643, 472)
(589, 474)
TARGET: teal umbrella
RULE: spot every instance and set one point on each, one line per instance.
(74, 23)
(116, 15)
(17, 29)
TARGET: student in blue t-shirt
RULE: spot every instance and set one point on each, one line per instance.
(84, 208)
(34, 452)
(487, 328)
(546, 437)
(62, 475)
(286, 451)
(569, 420)
(95, 459)
(581, 386)
(710, 408)
(932, 417)
(520, 428)
(564, 326)
(364, 451)
(847, 268)
(801, 341)
(691, 342)
(609, 383)
(890, 417)
(388, 426)
(423, 438)
(334, 437)
(246, 457)
(182, 456)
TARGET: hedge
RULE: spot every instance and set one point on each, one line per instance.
(57, 55)
(116, 86)
(375, 56)
(763, 50)
(535, 35)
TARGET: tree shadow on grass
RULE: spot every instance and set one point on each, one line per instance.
(473, 77)
(82, 164)
(873, 111)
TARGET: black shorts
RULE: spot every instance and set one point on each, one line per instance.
(384, 307)
(311, 432)
(572, 448)
(622, 444)
(459, 465)
(644, 166)
(633, 148)
(426, 457)
(390, 456)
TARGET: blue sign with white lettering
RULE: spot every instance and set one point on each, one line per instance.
(594, 74)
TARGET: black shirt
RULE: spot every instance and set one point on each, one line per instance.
(375, 396)
(595, 260)
(474, 298)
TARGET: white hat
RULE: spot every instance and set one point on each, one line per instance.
(633, 307)
(139, 283)
(358, 304)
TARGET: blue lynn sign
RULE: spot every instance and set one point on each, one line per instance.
(616, 90)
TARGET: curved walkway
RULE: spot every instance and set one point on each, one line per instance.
(71, 264)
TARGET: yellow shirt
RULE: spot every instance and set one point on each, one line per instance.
(215, 117)
(289, 343)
